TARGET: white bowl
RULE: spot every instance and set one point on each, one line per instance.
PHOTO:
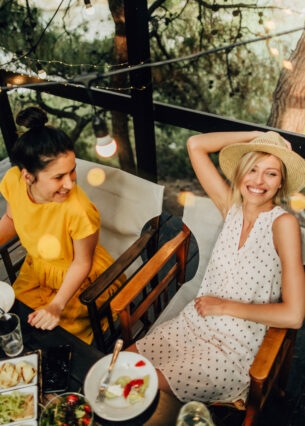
(7, 296)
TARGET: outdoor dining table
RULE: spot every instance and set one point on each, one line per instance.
(162, 412)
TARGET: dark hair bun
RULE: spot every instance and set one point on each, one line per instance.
(31, 117)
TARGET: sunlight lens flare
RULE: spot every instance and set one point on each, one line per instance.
(96, 176)
(49, 247)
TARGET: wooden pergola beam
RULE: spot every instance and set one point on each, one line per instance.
(197, 121)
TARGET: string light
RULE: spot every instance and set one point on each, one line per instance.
(94, 76)
(41, 72)
(123, 69)
(105, 146)
(89, 9)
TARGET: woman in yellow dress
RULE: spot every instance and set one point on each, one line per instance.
(57, 225)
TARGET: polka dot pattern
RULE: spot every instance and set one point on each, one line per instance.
(208, 359)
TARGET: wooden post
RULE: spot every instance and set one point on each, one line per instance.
(7, 123)
(136, 21)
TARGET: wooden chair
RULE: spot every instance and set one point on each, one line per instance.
(127, 204)
(271, 365)
(12, 255)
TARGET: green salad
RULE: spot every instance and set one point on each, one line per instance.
(16, 406)
(67, 410)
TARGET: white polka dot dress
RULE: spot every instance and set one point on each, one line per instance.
(208, 359)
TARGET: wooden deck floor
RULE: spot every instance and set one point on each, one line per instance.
(287, 412)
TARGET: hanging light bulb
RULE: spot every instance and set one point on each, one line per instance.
(89, 9)
(41, 72)
(105, 146)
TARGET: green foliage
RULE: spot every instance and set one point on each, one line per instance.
(172, 156)
(237, 82)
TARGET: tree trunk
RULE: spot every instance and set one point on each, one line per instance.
(288, 108)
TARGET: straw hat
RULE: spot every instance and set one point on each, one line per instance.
(272, 143)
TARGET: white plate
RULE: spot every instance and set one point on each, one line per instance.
(117, 409)
(27, 390)
(32, 359)
(7, 296)
(26, 423)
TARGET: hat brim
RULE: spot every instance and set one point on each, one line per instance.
(230, 156)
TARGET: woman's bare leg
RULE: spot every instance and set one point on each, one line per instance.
(163, 384)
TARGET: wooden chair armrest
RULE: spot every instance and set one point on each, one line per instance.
(12, 263)
(269, 370)
(9, 243)
(117, 268)
(138, 283)
(267, 353)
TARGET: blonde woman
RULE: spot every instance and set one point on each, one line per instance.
(255, 277)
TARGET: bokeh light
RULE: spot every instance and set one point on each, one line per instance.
(49, 247)
(297, 202)
(274, 51)
(270, 25)
(186, 198)
(288, 65)
(96, 176)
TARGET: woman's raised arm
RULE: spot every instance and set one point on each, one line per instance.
(199, 148)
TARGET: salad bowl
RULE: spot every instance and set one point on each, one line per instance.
(67, 409)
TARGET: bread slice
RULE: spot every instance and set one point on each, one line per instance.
(26, 371)
(8, 375)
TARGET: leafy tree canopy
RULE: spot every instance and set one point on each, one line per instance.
(233, 76)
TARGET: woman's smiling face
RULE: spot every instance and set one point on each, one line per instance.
(263, 181)
(55, 182)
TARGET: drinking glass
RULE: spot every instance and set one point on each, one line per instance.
(10, 334)
(194, 413)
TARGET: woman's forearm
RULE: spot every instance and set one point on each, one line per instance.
(282, 314)
(75, 276)
(215, 141)
(78, 270)
(272, 314)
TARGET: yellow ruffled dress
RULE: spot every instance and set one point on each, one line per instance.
(47, 232)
